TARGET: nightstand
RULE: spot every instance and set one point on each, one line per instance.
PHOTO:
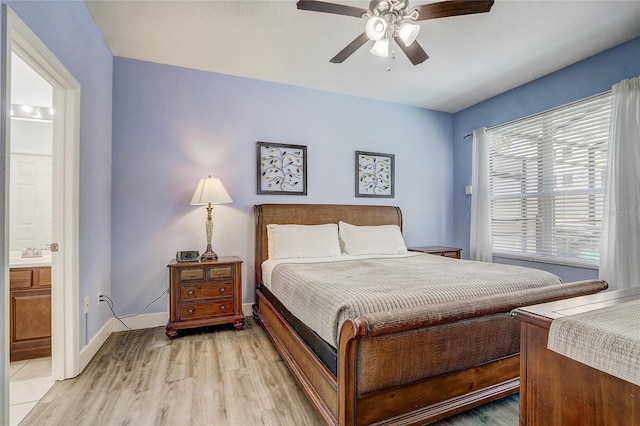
(205, 293)
(452, 252)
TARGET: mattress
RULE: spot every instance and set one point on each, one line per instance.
(323, 293)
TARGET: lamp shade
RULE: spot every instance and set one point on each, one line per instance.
(381, 48)
(376, 28)
(408, 33)
(210, 190)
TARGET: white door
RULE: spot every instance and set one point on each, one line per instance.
(30, 201)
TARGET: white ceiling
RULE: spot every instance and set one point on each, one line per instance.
(472, 57)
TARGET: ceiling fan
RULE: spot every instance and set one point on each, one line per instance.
(388, 21)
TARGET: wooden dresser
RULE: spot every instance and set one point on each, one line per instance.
(556, 390)
(453, 252)
(30, 312)
(205, 293)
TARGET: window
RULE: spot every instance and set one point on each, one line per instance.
(547, 175)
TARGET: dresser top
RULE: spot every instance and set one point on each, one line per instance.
(547, 312)
(222, 260)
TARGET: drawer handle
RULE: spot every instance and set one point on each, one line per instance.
(192, 274)
(191, 292)
(223, 307)
(191, 311)
(223, 290)
(219, 272)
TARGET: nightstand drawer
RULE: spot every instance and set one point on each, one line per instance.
(207, 291)
(215, 273)
(192, 274)
(209, 309)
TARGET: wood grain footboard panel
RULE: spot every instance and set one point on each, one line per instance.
(472, 387)
(419, 402)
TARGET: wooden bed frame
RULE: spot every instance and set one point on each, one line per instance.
(412, 366)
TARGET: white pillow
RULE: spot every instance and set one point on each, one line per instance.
(294, 241)
(381, 239)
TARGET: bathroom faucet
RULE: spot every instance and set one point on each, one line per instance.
(31, 252)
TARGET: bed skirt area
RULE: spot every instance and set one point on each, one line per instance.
(324, 351)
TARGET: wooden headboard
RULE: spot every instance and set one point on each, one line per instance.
(315, 214)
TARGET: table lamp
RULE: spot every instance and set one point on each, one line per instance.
(208, 192)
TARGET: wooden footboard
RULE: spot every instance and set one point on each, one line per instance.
(414, 366)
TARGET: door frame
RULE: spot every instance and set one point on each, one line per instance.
(65, 325)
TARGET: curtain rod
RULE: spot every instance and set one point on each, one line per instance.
(538, 113)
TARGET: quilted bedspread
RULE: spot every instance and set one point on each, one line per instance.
(324, 294)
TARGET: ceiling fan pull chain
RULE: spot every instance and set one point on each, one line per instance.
(392, 51)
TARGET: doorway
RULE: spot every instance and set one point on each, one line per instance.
(30, 236)
(18, 39)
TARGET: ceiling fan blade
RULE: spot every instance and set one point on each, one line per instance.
(414, 51)
(338, 9)
(445, 9)
(350, 49)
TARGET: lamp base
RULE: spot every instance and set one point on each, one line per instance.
(209, 255)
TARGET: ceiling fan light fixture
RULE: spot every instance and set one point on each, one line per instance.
(375, 28)
(381, 48)
(408, 33)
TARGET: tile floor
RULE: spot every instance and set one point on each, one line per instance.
(29, 380)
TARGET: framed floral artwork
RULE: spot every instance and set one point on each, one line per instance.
(282, 169)
(375, 174)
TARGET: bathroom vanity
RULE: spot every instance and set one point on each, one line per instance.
(30, 310)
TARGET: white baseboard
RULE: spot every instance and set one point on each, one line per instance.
(141, 321)
(88, 352)
(247, 309)
(113, 325)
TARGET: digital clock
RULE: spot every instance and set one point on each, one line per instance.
(188, 256)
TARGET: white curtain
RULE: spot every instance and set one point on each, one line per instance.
(481, 244)
(620, 241)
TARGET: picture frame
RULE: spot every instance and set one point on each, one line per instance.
(375, 174)
(281, 168)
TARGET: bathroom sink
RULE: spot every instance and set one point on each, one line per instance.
(15, 261)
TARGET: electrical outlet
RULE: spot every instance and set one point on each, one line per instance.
(86, 305)
(99, 298)
(468, 189)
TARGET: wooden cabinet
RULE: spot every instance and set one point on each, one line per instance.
(205, 293)
(556, 390)
(29, 313)
(452, 252)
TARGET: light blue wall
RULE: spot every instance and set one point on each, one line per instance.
(68, 30)
(173, 126)
(589, 77)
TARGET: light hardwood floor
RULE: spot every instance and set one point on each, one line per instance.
(218, 377)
